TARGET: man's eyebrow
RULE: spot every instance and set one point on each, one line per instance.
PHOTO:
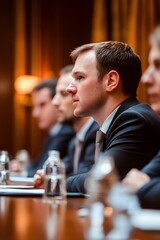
(156, 61)
(77, 73)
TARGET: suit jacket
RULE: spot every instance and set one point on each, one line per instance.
(132, 140)
(57, 142)
(153, 167)
(86, 159)
(149, 194)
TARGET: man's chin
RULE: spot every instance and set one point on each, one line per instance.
(78, 113)
(156, 108)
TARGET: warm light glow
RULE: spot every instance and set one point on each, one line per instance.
(25, 83)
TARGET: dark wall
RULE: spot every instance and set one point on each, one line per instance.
(63, 25)
(6, 74)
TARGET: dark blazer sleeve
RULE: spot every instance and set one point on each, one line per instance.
(76, 183)
(153, 167)
(149, 194)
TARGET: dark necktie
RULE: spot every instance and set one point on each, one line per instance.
(78, 147)
(99, 143)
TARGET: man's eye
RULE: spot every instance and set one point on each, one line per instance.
(80, 78)
(157, 64)
(64, 93)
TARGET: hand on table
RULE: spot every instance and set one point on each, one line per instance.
(39, 179)
(135, 179)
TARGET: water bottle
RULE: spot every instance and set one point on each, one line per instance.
(54, 179)
(22, 159)
(4, 168)
(102, 177)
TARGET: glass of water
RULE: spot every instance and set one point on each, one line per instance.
(54, 179)
(4, 168)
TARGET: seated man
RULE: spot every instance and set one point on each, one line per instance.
(79, 158)
(147, 181)
(59, 134)
(80, 155)
(106, 76)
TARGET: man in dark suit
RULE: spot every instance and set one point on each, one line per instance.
(79, 158)
(109, 73)
(147, 181)
(59, 134)
(106, 76)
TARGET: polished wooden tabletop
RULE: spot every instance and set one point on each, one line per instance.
(27, 218)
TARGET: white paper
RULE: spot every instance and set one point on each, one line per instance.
(16, 191)
(16, 186)
(21, 179)
(146, 219)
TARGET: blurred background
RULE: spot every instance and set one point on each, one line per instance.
(36, 39)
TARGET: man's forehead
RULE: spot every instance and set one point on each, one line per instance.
(154, 52)
(84, 61)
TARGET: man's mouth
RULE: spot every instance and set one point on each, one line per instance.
(153, 98)
(74, 102)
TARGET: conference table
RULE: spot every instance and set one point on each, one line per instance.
(30, 218)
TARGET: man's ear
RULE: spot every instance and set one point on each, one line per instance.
(111, 80)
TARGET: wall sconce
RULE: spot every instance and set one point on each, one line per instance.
(23, 86)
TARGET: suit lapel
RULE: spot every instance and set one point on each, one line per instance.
(129, 102)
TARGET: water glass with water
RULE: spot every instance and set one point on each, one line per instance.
(54, 179)
(4, 168)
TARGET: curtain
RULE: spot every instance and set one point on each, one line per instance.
(130, 21)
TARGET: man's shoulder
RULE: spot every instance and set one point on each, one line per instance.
(66, 130)
(135, 108)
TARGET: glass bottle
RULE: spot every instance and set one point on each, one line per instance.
(22, 158)
(54, 179)
(101, 179)
(4, 168)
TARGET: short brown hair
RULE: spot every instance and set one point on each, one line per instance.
(118, 56)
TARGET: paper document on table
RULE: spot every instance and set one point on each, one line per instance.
(16, 187)
(16, 190)
(146, 219)
(21, 179)
(21, 192)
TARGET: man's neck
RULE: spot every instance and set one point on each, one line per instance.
(79, 123)
(101, 115)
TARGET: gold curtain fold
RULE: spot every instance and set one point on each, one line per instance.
(99, 31)
(130, 21)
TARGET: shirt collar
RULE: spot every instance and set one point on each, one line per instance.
(108, 120)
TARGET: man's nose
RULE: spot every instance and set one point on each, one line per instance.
(71, 88)
(35, 112)
(55, 101)
(147, 76)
